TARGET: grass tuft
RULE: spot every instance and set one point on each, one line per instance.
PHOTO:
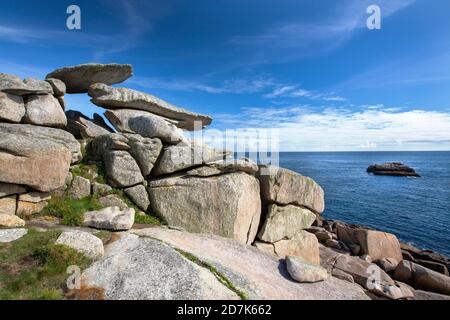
(34, 268)
(71, 210)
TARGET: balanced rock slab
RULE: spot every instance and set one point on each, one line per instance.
(111, 218)
(122, 98)
(225, 166)
(12, 108)
(86, 243)
(78, 78)
(284, 222)
(378, 245)
(136, 268)
(282, 186)
(33, 161)
(144, 123)
(227, 205)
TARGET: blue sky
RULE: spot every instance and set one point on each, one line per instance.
(310, 69)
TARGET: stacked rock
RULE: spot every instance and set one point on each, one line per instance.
(35, 153)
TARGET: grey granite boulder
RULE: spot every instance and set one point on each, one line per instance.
(10, 235)
(146, 269)
(101, 189)
(111, 218)
(86, 243)
(144, 123)
(145, 151)
(258, 275)
(302, 271)
(228, 205)
(14, 85)
(121, 169)
(33, 160)
(44, 134)
(44, 110)
(113, 200)
(303, 244)
(12, 108)
(122, 98)
(59, 87)
(138, 194)
(80, 188)
(184, 156)
(78, 78)
(282, 186)
(284, 222)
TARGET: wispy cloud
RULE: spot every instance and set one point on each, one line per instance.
(292, 91)
(302, 129)
(302, 38)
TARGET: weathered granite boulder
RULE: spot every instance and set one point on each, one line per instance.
(113, 201)
(303, 244)
(11, 221)
(59, 87)
(146, 124)
(45, 134)
(80, 188)
(284, 222)
(14, 85)
(368, 275)
(31, 203)
(86, 243)
(302, 271)
(282, 186)
(101, 189)
(121, 98)
(392, 169)
(101, 145)
(145, 151)
(82, 127)
(138, 194)
(184, 156)
(225, 166)
(378, 245)
(8, 205)
(388, 264)
(427, 258)
(10, 235)
(422, 278)
(111, 218)
(32, 160)
(78, 78)
(12, 108)
(258, 275)
(44, 110)
(136, 268)
(121, 169)
(227, 205)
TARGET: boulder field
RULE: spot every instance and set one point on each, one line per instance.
(232, 229)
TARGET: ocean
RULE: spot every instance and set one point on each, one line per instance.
(416, 210)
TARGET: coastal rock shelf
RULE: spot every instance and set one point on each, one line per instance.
(221, 228)
(397, 169)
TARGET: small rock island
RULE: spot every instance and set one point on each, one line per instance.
(392, 169)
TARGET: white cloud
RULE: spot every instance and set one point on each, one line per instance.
(301, 129)
(291, 91)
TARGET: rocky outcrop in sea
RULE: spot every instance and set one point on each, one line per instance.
(232, 229)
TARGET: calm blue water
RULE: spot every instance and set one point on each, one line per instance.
(417, 210)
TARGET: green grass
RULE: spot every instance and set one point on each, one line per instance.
(69, 210)
(221, 277)
(146, 219)
(92, 171)
(34, 268)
